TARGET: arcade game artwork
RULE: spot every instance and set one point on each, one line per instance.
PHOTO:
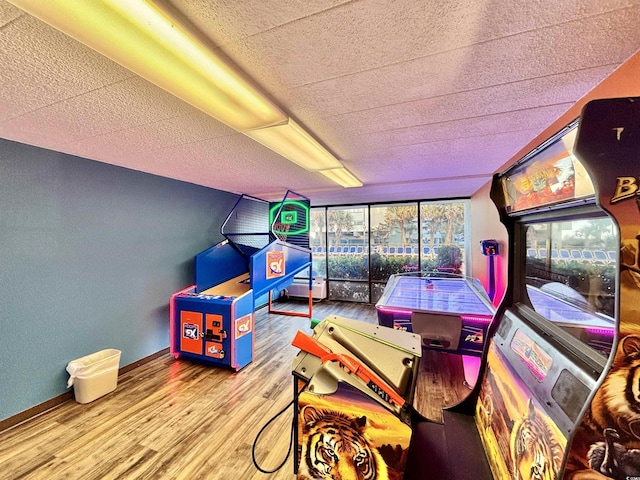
(290, 221)
(607, 441)
(556, 176)
(513, 424)
(353, 382)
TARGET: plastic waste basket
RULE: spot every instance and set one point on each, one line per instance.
(94, 375)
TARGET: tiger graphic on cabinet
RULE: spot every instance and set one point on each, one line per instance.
(335, 447)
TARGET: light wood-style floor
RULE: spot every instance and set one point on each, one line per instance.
(173, 419)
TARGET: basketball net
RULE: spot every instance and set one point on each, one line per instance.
(281, 230)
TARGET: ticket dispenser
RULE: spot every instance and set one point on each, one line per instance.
(354, 384)
(491, 249)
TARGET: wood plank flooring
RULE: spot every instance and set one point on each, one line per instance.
(173, 419)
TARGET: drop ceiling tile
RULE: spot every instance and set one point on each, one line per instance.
(41, 67)
(234, 163)
(432, 189)
(365, 36)
(444, 154)
(419, 99)
(510, 60)
(478, 157)
(189, 127)
(511, 97)
(227, 21)
(454, 130)
(8, 13)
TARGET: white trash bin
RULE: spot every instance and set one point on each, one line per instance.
(94, 375)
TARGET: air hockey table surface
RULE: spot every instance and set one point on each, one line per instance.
(448, 295)
(438, 308)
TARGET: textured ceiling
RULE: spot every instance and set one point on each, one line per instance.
(419, 99)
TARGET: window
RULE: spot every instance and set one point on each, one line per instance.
(348, 264)
(318, 242)
(359, 248)
(442, 237)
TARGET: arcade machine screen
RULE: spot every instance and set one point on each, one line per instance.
(570, 261)
(570, 276)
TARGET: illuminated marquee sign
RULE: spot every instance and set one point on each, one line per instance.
(293, 218)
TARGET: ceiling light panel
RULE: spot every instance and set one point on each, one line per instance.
(143, 38)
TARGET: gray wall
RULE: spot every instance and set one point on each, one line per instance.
(89, 256)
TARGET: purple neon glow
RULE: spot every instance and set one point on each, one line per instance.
(465, 318)
(471, 367)
(601, 331)
(470, 363)
(392, 310)
(476, 319)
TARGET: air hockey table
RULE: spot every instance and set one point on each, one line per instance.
(449, 313)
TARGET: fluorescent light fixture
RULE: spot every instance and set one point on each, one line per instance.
(142, 37)
(342, 176)
(295, 144)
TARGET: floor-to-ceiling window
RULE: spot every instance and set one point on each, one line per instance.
(318, 242)
(442, 239)
(358, 247)
(394, 241)
(348, 253)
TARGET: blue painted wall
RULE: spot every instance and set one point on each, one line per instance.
(89, 256)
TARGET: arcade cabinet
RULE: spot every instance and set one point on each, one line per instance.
(353, 384)
(212, 321)
(450, 313)
(606, 439)
(558, 380)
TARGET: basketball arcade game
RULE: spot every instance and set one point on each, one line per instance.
(213, 321)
